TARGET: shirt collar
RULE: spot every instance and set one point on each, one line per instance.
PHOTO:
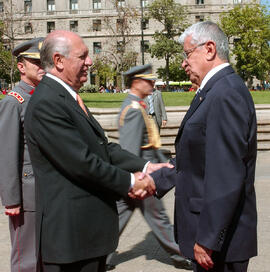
(65, 85)
(211, 73)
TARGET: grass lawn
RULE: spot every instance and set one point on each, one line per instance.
(97, 100)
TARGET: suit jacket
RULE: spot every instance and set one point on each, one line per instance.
(159, 107)
(17, 183)
(133, 133)
(79, 176)
(215, 203)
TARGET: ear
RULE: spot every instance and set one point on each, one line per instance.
(58, 61)
(211, 50)
(21, 67)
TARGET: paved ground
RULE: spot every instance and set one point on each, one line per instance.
(140, 252)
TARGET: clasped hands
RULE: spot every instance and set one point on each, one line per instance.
(144, 185)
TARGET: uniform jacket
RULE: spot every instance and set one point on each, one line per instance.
(215, 203)
(79, 176)
(17, 184)
(159, 108)
(133, 133)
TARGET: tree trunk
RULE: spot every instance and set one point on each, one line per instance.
(167, 73)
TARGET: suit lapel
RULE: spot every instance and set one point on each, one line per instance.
(90, 119)
(197, 100)
(62, 92)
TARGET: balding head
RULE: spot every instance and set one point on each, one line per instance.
(65, 55)
(58, 41)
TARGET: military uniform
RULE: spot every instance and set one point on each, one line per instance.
(139, 137)
(17, 183)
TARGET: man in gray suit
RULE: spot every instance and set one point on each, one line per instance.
(17, 188)
(156, 108)
(140, 136)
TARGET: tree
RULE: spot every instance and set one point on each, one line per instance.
(176, 73)
(119, 52)
(172, 17)
(6, 60)
(13, 22)
(248, 26)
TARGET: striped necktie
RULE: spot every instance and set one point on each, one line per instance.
(151, 104)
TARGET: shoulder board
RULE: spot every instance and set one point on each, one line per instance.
(17, 96)
(135, 104)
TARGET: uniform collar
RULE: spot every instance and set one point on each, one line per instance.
(26, 87)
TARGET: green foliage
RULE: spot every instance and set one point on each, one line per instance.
(103, 69)
(176, 73)
(172, 17)
(248, 26)
(7, 65)
(89, 88)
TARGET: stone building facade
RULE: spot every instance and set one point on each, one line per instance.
(97, 21)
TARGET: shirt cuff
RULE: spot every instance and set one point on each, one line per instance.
(132, 177)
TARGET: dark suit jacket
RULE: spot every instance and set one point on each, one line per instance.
(79, 176)
(215, 202)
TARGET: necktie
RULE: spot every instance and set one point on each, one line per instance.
(80, 102)
(151, 105)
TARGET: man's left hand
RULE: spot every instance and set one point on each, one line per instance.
(152, 167)
(203, 256)
(164, 122)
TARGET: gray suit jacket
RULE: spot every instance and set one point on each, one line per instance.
(16, 179)
(159, 107)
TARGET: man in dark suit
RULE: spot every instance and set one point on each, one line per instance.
(79, 175)
(139, 135)
(215, 203)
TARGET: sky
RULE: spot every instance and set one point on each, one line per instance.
(266, 3)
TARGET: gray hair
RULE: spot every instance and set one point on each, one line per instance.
(51, 45)
(205, 31)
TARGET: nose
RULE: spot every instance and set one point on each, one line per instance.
(88, 61)
(184, 63)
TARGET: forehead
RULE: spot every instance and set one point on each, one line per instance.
(78, 46)
(187, 42)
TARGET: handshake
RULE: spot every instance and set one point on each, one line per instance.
(144, 185)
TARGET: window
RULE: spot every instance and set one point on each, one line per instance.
(144, 3)
(50, 5)
(74, 5)
(97, 47)
(237, 1)
(1, 7)
(96, 4)
(121, 3)
(145, 24)
(96, 25)
(119, 24)
(120, 46)
(73, 26)
(27, 6)
(199, 18)
(199, 2)
(28, 28)
(145, 46)
(50, 27)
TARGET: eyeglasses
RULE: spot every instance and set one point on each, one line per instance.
(186, 54)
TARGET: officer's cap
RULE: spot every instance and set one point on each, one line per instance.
(142, 71)
(29, 49)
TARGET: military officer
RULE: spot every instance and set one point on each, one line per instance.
(16, 180)
(139, 135)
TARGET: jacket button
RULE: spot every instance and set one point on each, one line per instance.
(25, 174)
